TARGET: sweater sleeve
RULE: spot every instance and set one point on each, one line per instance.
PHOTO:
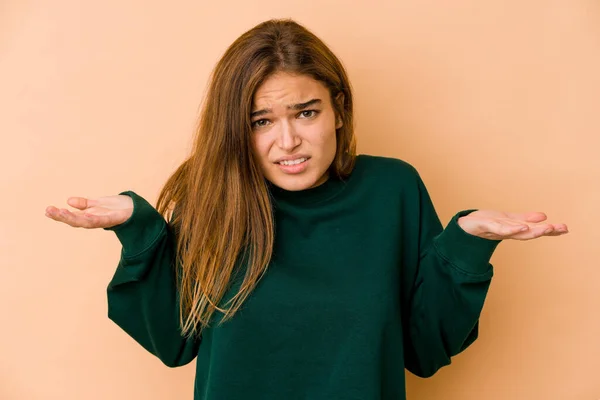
(446, 289)
(142, 295)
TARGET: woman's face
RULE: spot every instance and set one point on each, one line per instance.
(294, 130)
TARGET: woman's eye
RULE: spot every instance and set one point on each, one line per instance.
(260, 123)
(306, 114)
(309, 113)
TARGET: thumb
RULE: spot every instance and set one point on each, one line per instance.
(81, 203)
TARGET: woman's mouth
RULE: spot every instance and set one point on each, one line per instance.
(293, 166)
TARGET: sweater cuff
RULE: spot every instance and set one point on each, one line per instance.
(467, 252)
(141, 230)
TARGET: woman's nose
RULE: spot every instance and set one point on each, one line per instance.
(288, 138)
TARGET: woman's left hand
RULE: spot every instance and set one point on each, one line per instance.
(498, 225)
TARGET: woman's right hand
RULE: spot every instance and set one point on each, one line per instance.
(102, 212)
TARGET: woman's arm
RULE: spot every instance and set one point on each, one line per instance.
(444, 291)
(143, 295)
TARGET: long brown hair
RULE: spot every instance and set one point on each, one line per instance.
(221, 201)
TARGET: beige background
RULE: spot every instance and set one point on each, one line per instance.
(496, 103)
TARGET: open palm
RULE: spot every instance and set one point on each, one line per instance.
(499, 225)
(102, 212)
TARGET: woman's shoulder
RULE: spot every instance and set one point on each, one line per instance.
(381, 167)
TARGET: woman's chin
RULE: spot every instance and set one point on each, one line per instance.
(296, 183)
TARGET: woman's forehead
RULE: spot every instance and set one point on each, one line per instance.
(286, 90)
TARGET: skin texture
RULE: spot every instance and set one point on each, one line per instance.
(284, 131)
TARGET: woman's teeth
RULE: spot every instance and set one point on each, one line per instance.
(293, 162)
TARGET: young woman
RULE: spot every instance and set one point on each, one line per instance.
(290, 267)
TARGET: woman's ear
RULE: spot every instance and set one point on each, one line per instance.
(339, 101)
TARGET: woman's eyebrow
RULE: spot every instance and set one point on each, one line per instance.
(297, 107)
(302, 106)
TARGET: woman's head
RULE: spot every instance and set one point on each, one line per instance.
(294, 130)
(276, 65)
(277, 93)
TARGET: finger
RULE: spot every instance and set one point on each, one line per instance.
(54, 213)
(556, 233)
(66, 217)
(51, 209)
(546, 230)
(557, 230)
(81, 202)
(538, 230)
(533, 216)
(551, 228)
(72, 219)
(562, 228)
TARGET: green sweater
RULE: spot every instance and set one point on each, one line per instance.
(364, 282)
